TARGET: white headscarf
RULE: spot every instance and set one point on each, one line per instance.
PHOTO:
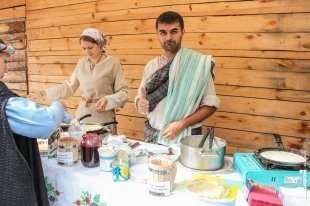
(7, 49)
(97, 35)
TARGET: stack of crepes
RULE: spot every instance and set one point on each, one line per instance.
(213, 188)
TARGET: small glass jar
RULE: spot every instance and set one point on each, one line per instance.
(89, 150)
(67, 151)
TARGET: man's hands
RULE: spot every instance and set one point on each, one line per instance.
(143, 103)
(172, 130)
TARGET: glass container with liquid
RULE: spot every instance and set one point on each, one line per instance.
(89, 150)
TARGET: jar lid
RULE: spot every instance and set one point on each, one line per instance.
(90, 139)
(107, 151)
(68, 141)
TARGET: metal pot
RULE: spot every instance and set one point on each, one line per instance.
(202, 158)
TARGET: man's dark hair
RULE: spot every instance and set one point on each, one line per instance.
(170, 17)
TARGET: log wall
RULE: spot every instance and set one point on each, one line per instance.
(261, 47)
(12, 31)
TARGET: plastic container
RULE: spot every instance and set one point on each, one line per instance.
(107, 154)
(120, 166)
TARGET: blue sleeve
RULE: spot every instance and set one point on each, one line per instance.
(29, 119)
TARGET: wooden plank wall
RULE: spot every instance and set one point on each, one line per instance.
(261, 47)
(12, 30)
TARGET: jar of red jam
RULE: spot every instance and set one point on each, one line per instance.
(89, 150)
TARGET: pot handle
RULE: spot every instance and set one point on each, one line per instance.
(83, 117)
(209, 154)
(279, 143)
(107, 123)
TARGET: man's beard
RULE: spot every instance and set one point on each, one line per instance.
(171, 46)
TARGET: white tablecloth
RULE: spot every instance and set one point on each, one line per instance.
(76, 184)
(69, 185)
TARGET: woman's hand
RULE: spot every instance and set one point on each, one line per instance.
(101, 104)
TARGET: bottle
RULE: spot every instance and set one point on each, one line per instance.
(77, 130)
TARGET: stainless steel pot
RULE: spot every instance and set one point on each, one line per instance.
(202, 158)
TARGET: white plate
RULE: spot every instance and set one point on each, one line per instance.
(138, 173)
(216, 202)
(211, 191)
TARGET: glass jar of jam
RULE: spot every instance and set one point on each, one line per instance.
(89, 150)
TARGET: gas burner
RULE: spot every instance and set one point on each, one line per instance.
(250, 167)
(227, 168)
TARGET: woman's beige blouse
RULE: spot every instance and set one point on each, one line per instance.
(106, 79)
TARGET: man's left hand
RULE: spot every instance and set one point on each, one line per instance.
(172, 130)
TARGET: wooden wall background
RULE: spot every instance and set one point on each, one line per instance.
(261, 47)
(12, 31)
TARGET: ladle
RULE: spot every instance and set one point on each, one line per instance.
(211, 137)
(203, 139)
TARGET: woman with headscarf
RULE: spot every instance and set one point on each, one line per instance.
(100, 78)
(21, 122)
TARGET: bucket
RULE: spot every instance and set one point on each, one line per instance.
(107, 154)
(161, 176)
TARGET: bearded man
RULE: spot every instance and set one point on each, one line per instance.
(177, 90)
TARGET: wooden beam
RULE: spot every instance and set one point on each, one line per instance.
(13, 13)
(62, 26)
(154, 8)
(158, 51)
(11, 3)
(237, 41)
